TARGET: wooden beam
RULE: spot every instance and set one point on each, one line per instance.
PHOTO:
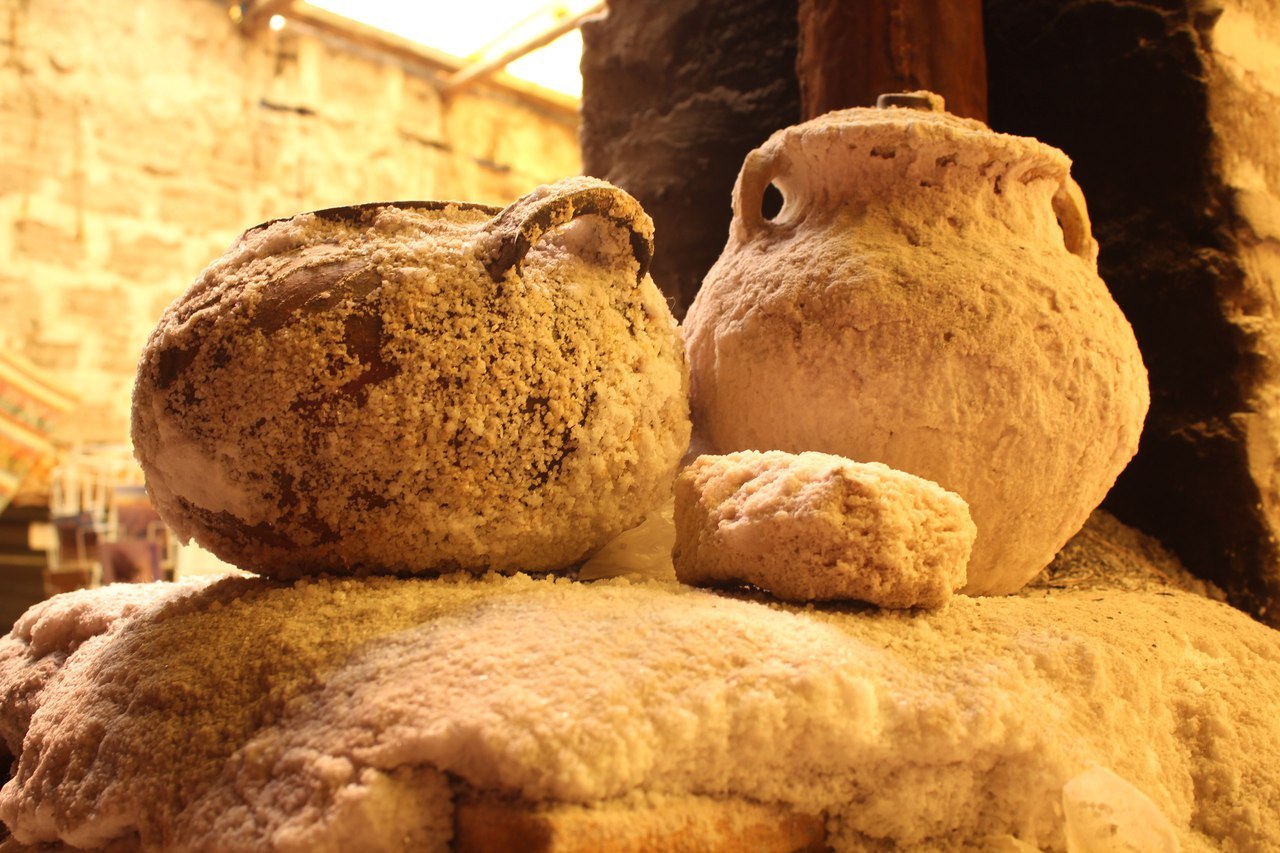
(480, 70)
(440, 66)
(851, 52)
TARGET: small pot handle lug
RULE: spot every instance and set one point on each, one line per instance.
(517, 228)
(1073, 217)
(759, 170)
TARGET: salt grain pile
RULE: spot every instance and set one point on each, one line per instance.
(953, 729)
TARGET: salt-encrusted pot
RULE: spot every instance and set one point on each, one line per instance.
(927, 297)
(418, 386)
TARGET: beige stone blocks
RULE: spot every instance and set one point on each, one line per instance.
(137, 140)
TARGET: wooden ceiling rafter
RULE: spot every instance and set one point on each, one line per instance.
(455, 75)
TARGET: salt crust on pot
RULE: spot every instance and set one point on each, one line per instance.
(418, 387)
(927, 298)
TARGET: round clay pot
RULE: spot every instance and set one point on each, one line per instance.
(928, 298)
(418, 387)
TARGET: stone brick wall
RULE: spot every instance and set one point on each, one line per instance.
(138, 139)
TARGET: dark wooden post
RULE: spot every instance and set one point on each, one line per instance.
(850, 51)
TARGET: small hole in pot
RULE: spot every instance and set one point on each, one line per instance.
(771, 203)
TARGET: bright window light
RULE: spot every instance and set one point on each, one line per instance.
(479, 30)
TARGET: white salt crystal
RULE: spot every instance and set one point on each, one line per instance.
(1106, 814)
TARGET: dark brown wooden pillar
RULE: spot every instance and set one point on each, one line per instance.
(851, 51)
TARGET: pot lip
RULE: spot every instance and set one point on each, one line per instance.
(352, 213)
(915, 128)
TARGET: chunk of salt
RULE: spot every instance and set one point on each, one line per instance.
(1106, 814)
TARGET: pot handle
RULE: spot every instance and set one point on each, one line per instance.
(1073, 217)
(759, 169)
(517, 228)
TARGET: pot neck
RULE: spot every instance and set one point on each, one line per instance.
(869, 158)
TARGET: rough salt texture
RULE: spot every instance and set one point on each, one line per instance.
(388, 389)
(249, 713)
(811, 526)
(917, 303)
